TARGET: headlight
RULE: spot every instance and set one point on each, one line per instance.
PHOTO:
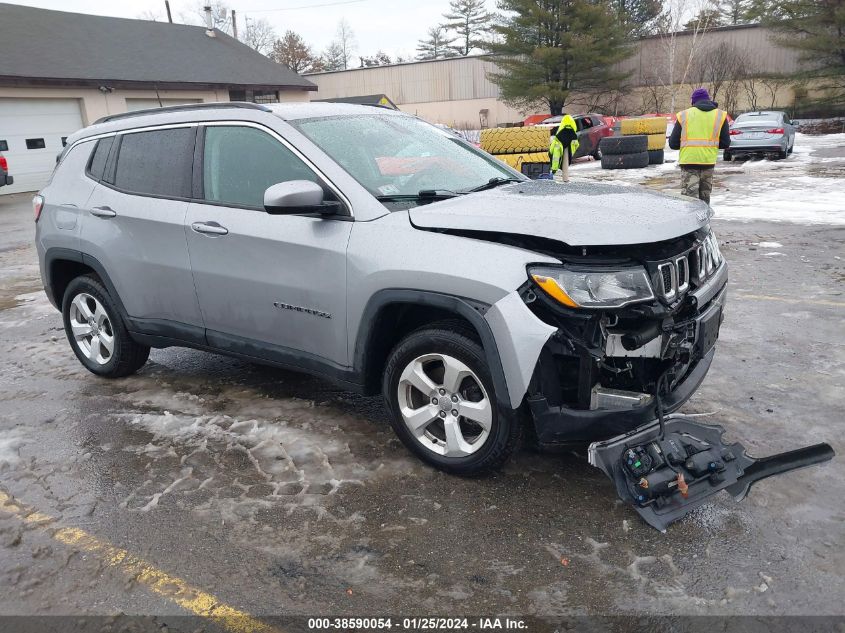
(611, 288)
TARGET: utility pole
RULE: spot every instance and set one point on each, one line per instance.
(234, 25)
(167, 6)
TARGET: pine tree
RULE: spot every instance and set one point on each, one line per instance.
(816, 29)
(736, 11)
(470, 21)
(639, 16)
(437, 45)
(550, 48)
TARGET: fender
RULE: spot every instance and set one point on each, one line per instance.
(472, 311)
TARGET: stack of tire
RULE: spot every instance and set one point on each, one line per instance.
(524, 148)
(655, 128)
(640, 144)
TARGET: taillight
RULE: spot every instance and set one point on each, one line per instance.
(3, 164)
(775, 130)
(37, 206)
(735, 132)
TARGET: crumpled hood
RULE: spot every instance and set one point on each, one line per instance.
(576, 213)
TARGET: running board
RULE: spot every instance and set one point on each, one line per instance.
(663, 479)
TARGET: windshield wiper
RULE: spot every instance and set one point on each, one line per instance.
(494, 182)
(425, 194)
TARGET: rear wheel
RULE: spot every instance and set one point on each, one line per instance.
(783, 154)
(442, 401)
(727, 156)
(96, 331)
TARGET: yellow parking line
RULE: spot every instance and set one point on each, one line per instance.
(818, 302)
(170, 587)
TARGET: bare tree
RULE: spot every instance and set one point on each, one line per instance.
(724, 69)
(677, 62)
(773, 84)
(292, 51)
(259, 35)
(150, 15)
(346, 43)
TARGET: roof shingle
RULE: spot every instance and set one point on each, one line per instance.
(47, 46)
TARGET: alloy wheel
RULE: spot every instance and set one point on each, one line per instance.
(444, 405)
(91, 327)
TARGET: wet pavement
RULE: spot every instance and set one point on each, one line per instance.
(281, 494)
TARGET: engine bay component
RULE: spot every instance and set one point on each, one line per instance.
(666, 474)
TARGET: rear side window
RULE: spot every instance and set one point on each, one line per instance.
(97, 166)
(157, 163)
(239, 163)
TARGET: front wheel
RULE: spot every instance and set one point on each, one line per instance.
(96, 331)
(442, 401)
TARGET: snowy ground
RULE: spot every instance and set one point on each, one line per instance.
(806, 188)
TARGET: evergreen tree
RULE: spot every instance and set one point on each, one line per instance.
(437, 45)
(736, 11)
(816, 29)
(550, 48)
(639, 16)
(470, 21)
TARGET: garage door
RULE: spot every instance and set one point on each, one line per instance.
(144, 104)
(34, 130)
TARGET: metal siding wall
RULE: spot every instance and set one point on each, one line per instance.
(466, 78)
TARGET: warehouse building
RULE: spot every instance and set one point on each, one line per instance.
(61, 71)
(458, 91)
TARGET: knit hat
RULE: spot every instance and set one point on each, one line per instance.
(700, 94)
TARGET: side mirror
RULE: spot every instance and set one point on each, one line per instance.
(298, 196)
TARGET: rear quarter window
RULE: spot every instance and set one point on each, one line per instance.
(97, 164)
(156, 163)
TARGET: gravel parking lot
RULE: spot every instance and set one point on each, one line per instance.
(276, 493)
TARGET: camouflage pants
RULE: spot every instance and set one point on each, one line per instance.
(697, 183)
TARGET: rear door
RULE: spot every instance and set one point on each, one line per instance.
(135, 226)
(271, 286)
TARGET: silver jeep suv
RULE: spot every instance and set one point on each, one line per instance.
(378, 251)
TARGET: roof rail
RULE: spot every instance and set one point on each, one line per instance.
(187, 107)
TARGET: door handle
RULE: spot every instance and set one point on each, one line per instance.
(209, 228)
(103, 212)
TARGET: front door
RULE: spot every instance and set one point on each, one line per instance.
(271, 286)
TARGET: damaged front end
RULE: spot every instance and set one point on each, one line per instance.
(601, 372)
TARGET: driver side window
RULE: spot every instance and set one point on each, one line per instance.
(240, 163)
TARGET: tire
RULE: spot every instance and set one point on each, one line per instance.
(597, 152)
(643, 125)
(623, 144)
(655, 157)
(783, 154)
(427, 351)
(515, 140)
(727, 156)
(625, 161)
(104, 320)
(656, 141)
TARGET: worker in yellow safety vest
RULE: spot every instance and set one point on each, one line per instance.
(566, 132)
(700, 132)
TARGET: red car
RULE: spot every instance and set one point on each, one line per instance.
(5, 178)
(591, 129)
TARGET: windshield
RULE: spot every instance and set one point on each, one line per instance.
(395, 156)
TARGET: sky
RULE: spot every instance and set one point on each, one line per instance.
(393, 26)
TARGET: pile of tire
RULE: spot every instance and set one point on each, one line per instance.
(515, 140)
(654, 128)
(526, 149)
(624, 152)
